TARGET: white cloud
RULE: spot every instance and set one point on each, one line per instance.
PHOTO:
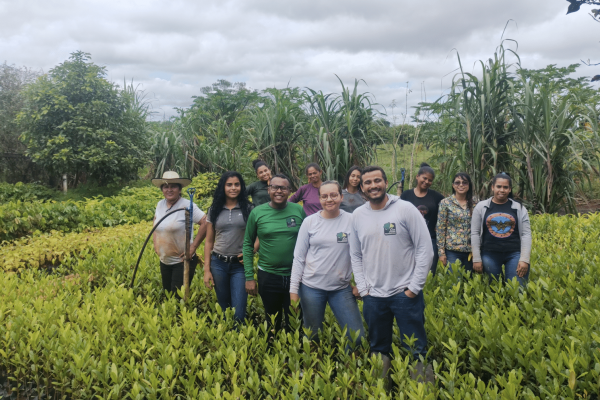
(174, 48)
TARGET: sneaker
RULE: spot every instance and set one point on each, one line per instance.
(423, 373)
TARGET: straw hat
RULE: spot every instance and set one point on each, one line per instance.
(171, 177)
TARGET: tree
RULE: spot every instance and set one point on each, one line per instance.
(76, 122)
(575, 5)
(12, 83)
(224, 100)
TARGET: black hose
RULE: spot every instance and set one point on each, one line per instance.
(146, 242)
(393, 184)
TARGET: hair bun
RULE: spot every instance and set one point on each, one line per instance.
(424, 164)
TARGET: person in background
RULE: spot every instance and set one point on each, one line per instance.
(309, 193)
(223, 266)
(501, 234)
(353, 196)
(276, 224)
(322, 270)
(454, 223)
(169, 236)
(391, 253)
(259, 189)
(427, 202)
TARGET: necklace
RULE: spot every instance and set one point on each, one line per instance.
(173, 205)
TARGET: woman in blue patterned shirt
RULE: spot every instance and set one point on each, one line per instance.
(454, 223)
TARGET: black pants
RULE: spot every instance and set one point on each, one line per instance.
(274, 290)
(172, 275)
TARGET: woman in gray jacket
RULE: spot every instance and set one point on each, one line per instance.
(501, 234)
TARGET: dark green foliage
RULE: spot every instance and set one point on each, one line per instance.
(225, 101)
(230, 126)
(12, 83)
(278, 133)
(76, 122)
(21, 218)
(343, 129)
(540, 126)
(25, 192)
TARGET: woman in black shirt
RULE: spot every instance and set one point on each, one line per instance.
(427, 201)
(258, 190)
(501, 234)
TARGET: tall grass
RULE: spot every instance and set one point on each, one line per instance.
(498, 120)
(287, 128)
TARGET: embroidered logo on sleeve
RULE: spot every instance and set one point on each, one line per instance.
(389, 228)
(291, 222)
(342, 237)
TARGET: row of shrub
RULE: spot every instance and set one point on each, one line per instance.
(133, 205)
(89, 335)
(25, 192)
(56, 248)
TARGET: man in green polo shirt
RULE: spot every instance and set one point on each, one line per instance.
(276, 225)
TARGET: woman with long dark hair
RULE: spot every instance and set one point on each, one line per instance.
(259, 190)
(453, 229)
(309, 193)
(223, 261)
(427, 202)
(501, 234)
(353, 196)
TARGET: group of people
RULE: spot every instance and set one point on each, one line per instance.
(309, 254)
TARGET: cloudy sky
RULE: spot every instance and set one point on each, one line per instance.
(172, 48)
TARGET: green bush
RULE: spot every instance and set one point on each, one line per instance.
(25, 192)
(20, 218)
(87, 335)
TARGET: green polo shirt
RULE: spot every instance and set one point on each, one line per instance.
(277, 231)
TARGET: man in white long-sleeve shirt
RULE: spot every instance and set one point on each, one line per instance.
(391, 254)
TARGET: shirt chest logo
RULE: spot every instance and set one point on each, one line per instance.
(501, 225)
(389, 228)
(342, 237)
(291, 222)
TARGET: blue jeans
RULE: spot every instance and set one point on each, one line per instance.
(436, 257)
(230, 286)
(379, 313)
(342, 303)
(453, 256)
(493, 262)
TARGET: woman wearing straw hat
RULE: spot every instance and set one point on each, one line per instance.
(169, 236)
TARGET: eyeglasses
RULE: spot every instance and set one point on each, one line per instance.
(334, 196)
(461, 183)
(277, 188)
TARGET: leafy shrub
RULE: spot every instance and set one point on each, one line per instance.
(82, 337)
(19, 218)
(24, 192)
(55, 248)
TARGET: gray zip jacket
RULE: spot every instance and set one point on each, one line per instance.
(390, 248)
(478, 222)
